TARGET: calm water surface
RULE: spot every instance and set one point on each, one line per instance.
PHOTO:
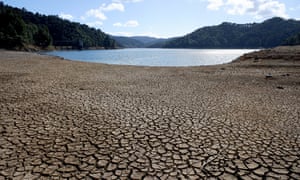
(155, 57)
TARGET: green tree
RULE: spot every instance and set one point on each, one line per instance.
(42, 37)
(269, 33)
(19, 28)
(12, 29)
(293, 40)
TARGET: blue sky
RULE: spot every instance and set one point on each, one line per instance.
(160, 18)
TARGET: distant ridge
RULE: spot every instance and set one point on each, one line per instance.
(137, 41)
(270, 33)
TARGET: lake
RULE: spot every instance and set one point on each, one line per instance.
(155, 57)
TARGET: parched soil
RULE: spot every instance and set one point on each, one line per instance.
(61, 119)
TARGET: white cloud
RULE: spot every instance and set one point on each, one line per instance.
(131, 23)
(66, 16)
(271, 8)
(98, 15)
(113, 7)
(257, 8)
(99, 12)
(215, 4)
(239, 7)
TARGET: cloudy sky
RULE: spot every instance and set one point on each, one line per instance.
(160, 18)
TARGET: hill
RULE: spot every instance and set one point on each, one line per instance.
(293, 40)
(20, 29)
(137, 41)
(270, 33)
(149, 41)
(127, 42)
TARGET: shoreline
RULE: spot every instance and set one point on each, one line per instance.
(63, 118)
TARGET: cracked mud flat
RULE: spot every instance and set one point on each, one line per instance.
(61, 119)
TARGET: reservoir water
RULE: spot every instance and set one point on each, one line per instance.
(155, 57)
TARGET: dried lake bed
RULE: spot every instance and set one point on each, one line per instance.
(65, 119)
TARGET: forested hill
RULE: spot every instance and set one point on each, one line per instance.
(127, 42)
(20, 29)
(270, 33)
(138, 41)
(293, 40)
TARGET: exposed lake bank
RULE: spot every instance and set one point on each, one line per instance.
(62, 118)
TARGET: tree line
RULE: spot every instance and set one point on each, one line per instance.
(270, 33)
(20, 29)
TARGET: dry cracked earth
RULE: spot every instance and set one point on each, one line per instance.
(70, 120)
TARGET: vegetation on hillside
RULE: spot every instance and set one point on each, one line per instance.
(293, 40)
(127, 42)
(270, 33)
(20, 29)
(138, 41)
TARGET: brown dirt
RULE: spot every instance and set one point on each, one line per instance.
(65, 119)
